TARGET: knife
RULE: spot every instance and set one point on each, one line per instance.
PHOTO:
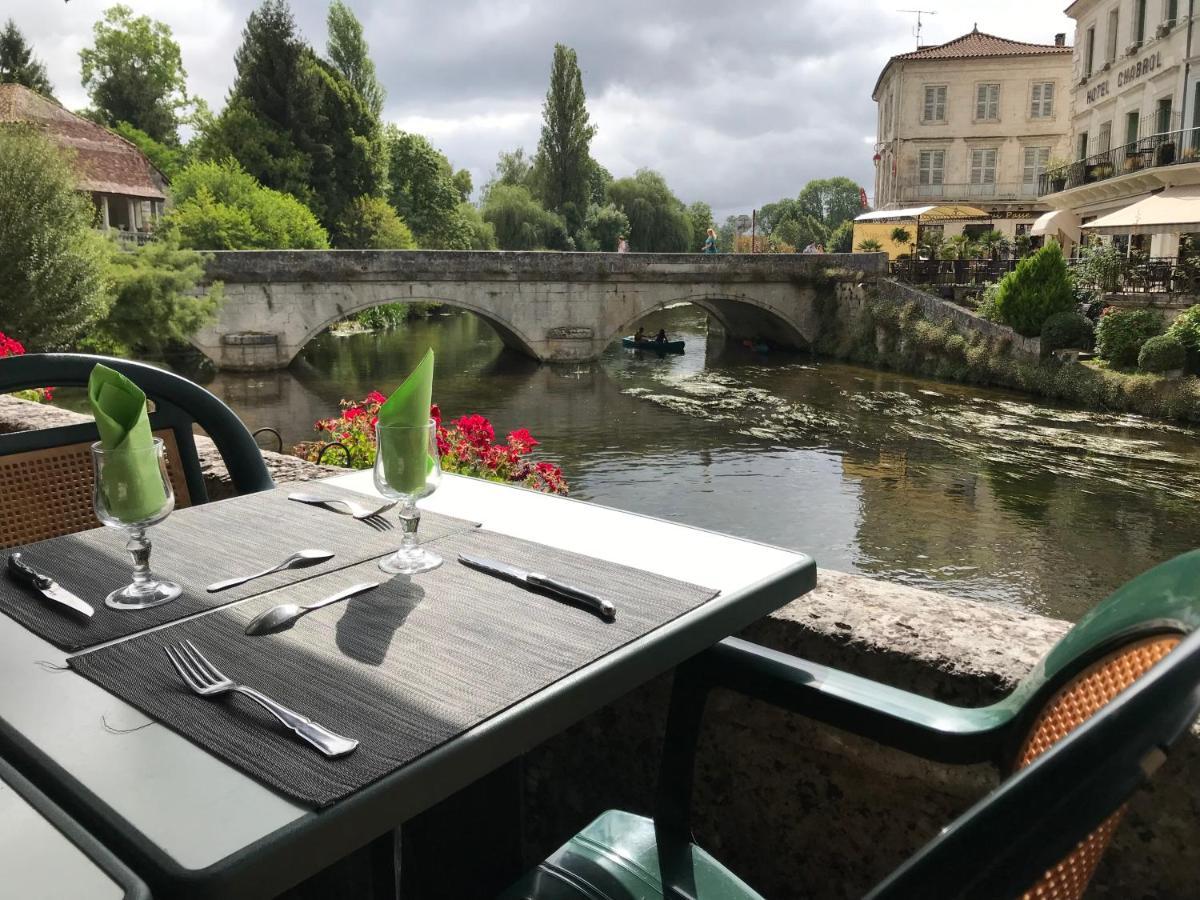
(49, 588)
(600, 607)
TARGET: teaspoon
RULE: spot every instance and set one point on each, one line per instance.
(301, 559)
(280, 617)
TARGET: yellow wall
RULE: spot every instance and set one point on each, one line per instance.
(882, 232)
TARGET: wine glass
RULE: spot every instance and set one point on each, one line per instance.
(407, 469)
(132, 491)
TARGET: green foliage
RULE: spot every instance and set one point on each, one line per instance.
(1100, 267)
(52, 280)
(658, 221)
(134, 73)
(603, 227)
(219, 206)
(830, 201)
(387, 315)
(841, 239)
(521, 223)
(701, 216)
(463, 184)
(513, 168)
(369, 223)
(18, 65)
(1162, 353)
(168, 159)
(992, 242)
(1186, 330)
(1120, 334)
(153, 306)
(987, 307)
(901, 236)
(958, 246)
(1038, 288)
(481, 234)
(1067, 330)
(351, 56)
(563, 165)
(423, 192)
(869, 245)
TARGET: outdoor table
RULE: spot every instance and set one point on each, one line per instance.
(45, 855)
(185, 819)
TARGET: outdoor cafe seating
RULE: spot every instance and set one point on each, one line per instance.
(132, 778)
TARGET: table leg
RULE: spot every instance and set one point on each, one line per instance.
(469, 845)
(369, 873)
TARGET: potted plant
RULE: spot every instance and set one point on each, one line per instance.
(1056, 170)
(1166, 153)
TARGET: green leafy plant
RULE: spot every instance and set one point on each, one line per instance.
(987, 308)
(1162, 353)
(1120, 333)
(869, 245)
(1186, 330)
(1100, 267)
(1038, 288)
(370, 223)
(958, 246)
(901, 236)
(1067, 330)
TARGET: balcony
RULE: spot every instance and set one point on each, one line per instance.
(911, 191)
(1169, 148)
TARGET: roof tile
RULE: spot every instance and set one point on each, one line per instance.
(977, 44)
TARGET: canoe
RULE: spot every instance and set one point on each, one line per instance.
(665, 347)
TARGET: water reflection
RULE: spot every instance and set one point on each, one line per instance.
(976, 492)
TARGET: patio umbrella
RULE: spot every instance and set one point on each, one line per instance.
(1175, 210)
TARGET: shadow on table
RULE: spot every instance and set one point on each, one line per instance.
(366, 628)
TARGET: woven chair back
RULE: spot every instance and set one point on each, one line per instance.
(1074, 704)
(47, 493)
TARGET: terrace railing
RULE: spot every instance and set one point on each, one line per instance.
(1170, 148)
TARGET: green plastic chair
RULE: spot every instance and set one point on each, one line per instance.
(45, 475)
(1088, 726)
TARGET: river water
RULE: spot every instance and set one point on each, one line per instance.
(979, 493)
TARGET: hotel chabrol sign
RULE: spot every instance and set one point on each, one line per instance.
(1131, 73)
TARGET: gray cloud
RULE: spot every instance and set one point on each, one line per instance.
(737, 104)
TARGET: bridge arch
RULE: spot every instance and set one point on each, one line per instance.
(739, 315)
(510, 335)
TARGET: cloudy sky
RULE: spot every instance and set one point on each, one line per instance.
(738, 104)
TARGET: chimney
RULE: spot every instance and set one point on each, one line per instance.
(1060, 39)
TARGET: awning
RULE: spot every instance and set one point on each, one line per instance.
(944, 213)
(1056, 222)
(1173, 211)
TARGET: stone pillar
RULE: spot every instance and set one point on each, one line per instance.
(132, 214)
(104, 210)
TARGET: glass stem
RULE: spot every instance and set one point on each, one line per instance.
(139, 550)
(410, 519)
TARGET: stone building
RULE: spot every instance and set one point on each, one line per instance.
(1136, 100)
(127, 191)
(974, 121)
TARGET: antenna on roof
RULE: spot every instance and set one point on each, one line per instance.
(919, 13)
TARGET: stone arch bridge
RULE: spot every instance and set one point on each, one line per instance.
(555, 307)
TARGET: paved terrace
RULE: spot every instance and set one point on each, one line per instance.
(555, 307)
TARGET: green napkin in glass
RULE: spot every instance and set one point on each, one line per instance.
(406, 459)
(132, 484)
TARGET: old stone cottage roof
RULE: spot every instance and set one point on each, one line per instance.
(103, 161)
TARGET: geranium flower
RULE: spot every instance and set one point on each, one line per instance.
(376, 397)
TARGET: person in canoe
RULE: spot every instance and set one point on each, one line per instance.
(640, 337)
(661, 337)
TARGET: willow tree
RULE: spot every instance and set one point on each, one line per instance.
(563, 167)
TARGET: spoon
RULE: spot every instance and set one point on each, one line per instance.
(277, 618)
(301, 559)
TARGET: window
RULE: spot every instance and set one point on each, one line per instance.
(1139, 21)
(935, 103)
(1132, 124)
(983, 167)
(1113, 34)
(931, 168)
(1162, 116)
(1170, 12)
(1042, 104)
(1089, 51)
(1083, 146)
(987, 102)
(1104, 139)
(1036, 159)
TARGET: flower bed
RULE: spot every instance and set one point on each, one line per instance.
(12, 347)
(466, 446)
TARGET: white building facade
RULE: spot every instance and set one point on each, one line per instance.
(1135, 91)
(975, 121)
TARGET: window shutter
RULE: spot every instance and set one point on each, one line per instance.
(929, 104)
(981, 102)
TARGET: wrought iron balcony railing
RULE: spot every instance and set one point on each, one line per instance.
(1171, 148)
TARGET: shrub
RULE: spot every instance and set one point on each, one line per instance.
(1120, 334)
(987, 308)
(370, 223)
(1162, 353)
(1067, 330)
(869, 245)
(1038, 288)
(1186, 330)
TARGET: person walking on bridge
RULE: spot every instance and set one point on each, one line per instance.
(710, 242)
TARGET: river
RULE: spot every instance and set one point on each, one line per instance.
(979, 493)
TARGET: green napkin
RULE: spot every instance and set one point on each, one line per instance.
(131, 484)
(406, 459)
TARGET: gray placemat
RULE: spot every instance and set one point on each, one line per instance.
(403, 668)
(196, 547)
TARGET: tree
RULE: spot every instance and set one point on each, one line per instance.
(219, 206)
(701, 217)
(1036, 289)
(831, 201)
(18, 65)
(512, 167)
(603, 227)
(869, 245)
(481, 234)
(167, 159)
(369, 223)
(563, 166)
(134, 73)
(423, 191)
(463, 184)
(521, 223)
(841, 240)
(52, 279)
(658, 221)
(154, 302)
(351, 56)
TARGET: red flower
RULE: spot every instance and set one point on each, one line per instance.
(477, 430)
(374, 421)
(436, 414)
(523, 439)
(376, 397)
(353, 413)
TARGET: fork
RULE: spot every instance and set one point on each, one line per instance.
(352, 508)
(204, 679)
